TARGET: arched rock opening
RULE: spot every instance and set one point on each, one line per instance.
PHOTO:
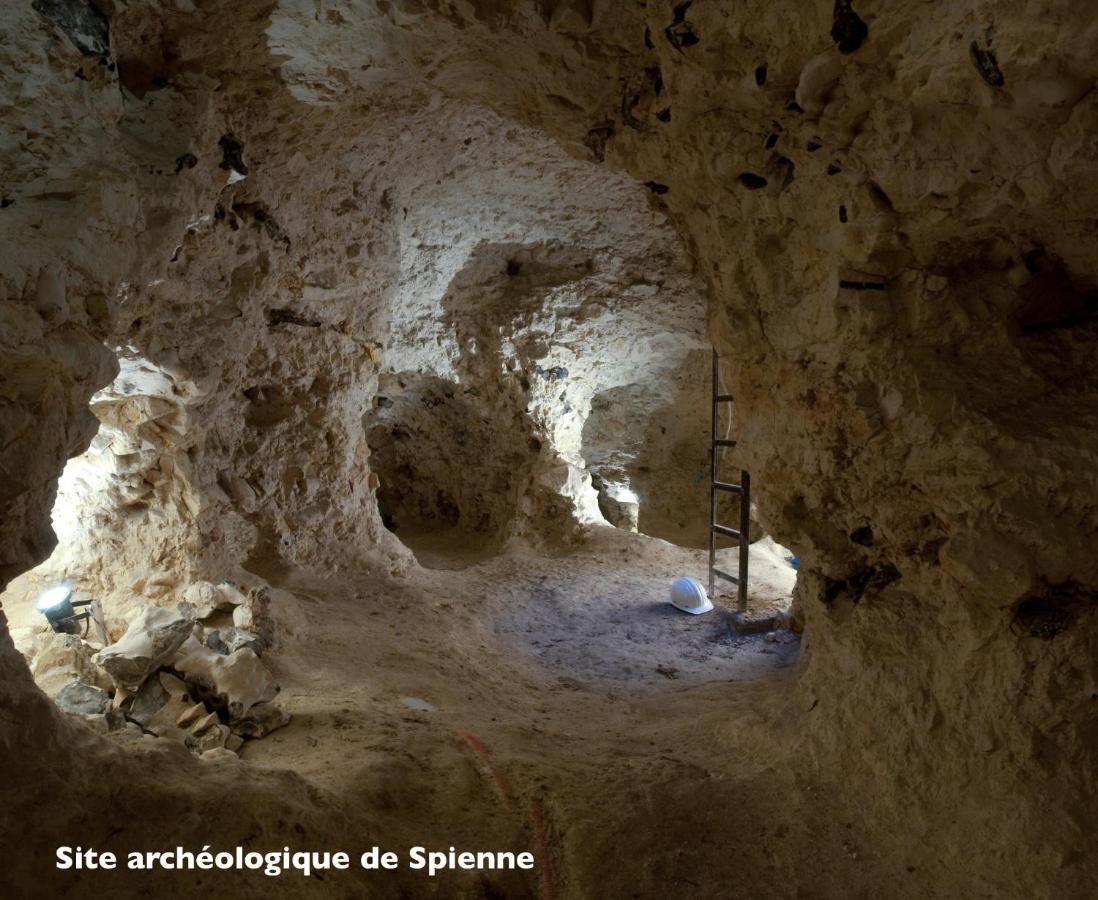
(450, 468)
(122, 508)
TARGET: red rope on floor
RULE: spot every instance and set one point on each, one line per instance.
(537, 821)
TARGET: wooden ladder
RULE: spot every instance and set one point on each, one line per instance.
(742, 535)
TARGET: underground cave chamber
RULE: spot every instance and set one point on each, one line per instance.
(531, 380)
(356, 358)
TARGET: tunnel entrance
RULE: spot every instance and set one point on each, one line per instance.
(116, 625)
(120, 489)
(647, 446)
(449, 475)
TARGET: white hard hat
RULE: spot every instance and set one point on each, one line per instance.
(688, 595)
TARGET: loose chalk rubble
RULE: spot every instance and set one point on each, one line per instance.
(183, 673)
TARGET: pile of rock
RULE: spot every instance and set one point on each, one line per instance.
(192, 673)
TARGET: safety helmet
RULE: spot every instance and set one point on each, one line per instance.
(688, 595)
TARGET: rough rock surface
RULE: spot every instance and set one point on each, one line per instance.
(149, 699)
(236, 681)
(261, 720)
(229, 640)
(891, 207)
(58, 659)
(152, 640)
(83, 698)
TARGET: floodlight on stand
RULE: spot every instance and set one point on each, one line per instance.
(57, 605)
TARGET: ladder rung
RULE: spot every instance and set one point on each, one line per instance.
(724, 529)
(723, 442)
(722, 398)
(725, 576)
(726, 486)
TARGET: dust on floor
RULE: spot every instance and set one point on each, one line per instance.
(555, 703)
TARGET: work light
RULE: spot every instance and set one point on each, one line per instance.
(57, 605)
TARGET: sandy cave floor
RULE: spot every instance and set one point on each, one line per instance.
(555, 703)
(523, 635)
